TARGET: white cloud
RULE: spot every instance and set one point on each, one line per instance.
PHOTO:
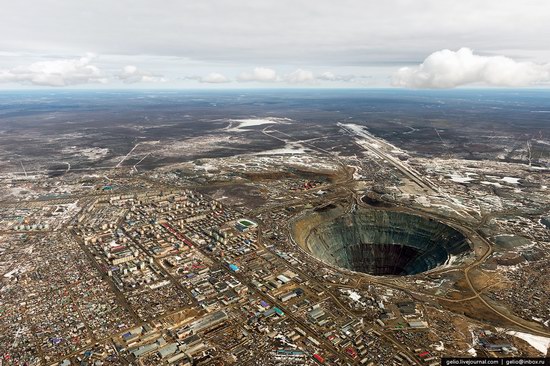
(300, 76)
(449, 69)
(62, 72)
(263, 74)
(357, 37)
(131, 74)
(259, 74)
(214, 78)
(330, 76)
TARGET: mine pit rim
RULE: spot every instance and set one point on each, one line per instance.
(445, 221)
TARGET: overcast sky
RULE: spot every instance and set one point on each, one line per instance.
(274, 43)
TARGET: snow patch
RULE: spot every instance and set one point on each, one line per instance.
(540, 343)
(491, 183)
(459, 179)
(510, 180)
(289, 148)
(237, 125)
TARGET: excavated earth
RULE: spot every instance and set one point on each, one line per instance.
(378, 242)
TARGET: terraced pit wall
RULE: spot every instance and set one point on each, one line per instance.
(378, 242)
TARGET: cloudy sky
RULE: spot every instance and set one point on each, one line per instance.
(274, 43)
